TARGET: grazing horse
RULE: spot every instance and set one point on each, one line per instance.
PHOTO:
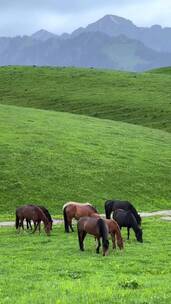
(76, 210)
(94, 226)
(115, 204)
(127, 219)
(113, 229)
(47, 214)
(33, 213)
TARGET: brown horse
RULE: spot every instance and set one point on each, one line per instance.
(46, 213)
(76, 210)
(113, 229)
(94, 226)
(34, 213)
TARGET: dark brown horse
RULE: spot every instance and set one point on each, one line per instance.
(47, 214)
(113, 229)
(94, 226)
(33, 213)
(76, 210)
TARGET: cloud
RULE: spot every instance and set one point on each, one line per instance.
(28, 16)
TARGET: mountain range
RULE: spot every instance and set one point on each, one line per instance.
(111, 42)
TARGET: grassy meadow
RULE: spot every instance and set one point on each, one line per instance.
(39, 269)
(84, 135)
(143, 99)
(50, 158)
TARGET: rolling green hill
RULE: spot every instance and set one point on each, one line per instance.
(165, 70)
(143, 99)
(50, 157)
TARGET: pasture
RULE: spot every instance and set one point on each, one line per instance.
(40, 269)
(112, 142)
(142, 99)
(49, 158)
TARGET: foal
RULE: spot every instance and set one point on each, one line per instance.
(127, 219)
(94, 226)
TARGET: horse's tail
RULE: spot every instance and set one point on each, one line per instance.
(65, 219)
(103, 232)
(135, 213)
(17, 221)
(107, 209)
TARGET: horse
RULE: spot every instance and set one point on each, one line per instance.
(113, 229)
(127, 219)
(33, 213)
(47, 214)
(94, 226)
(76, 210)
(112, 205)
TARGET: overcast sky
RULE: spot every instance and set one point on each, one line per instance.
(18, 17)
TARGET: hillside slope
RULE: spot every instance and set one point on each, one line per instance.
(143, 99)
(164, 70)
(50, 158)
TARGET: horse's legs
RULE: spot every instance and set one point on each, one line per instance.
(35, 226)
(99, 244)
(22, 223)
(81, 238)
(28, 222)
(30, 225)
(70, 223)
(128, 233)
(113, 239)
(39, 228)
(71, 227)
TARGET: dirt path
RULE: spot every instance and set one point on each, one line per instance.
(164, 214)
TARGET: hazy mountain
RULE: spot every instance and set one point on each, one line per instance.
(43, 35)
(154, 37)
(89, 49)
(103, 44)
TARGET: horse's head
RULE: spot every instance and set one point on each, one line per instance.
(105, 247)
(139, 235)
(120, 243)
(48, 228)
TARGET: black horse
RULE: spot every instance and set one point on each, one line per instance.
(127, 219)
(46, 213)
(113, 205)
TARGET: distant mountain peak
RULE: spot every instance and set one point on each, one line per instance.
(115, 19)
(42, 35)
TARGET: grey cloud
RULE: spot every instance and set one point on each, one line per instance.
(28, 16)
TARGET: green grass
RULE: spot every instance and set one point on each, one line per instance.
(37, 269)
(143, 99)
(166, 71)
(50, 158)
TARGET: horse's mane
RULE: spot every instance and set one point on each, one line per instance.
(80, 204)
